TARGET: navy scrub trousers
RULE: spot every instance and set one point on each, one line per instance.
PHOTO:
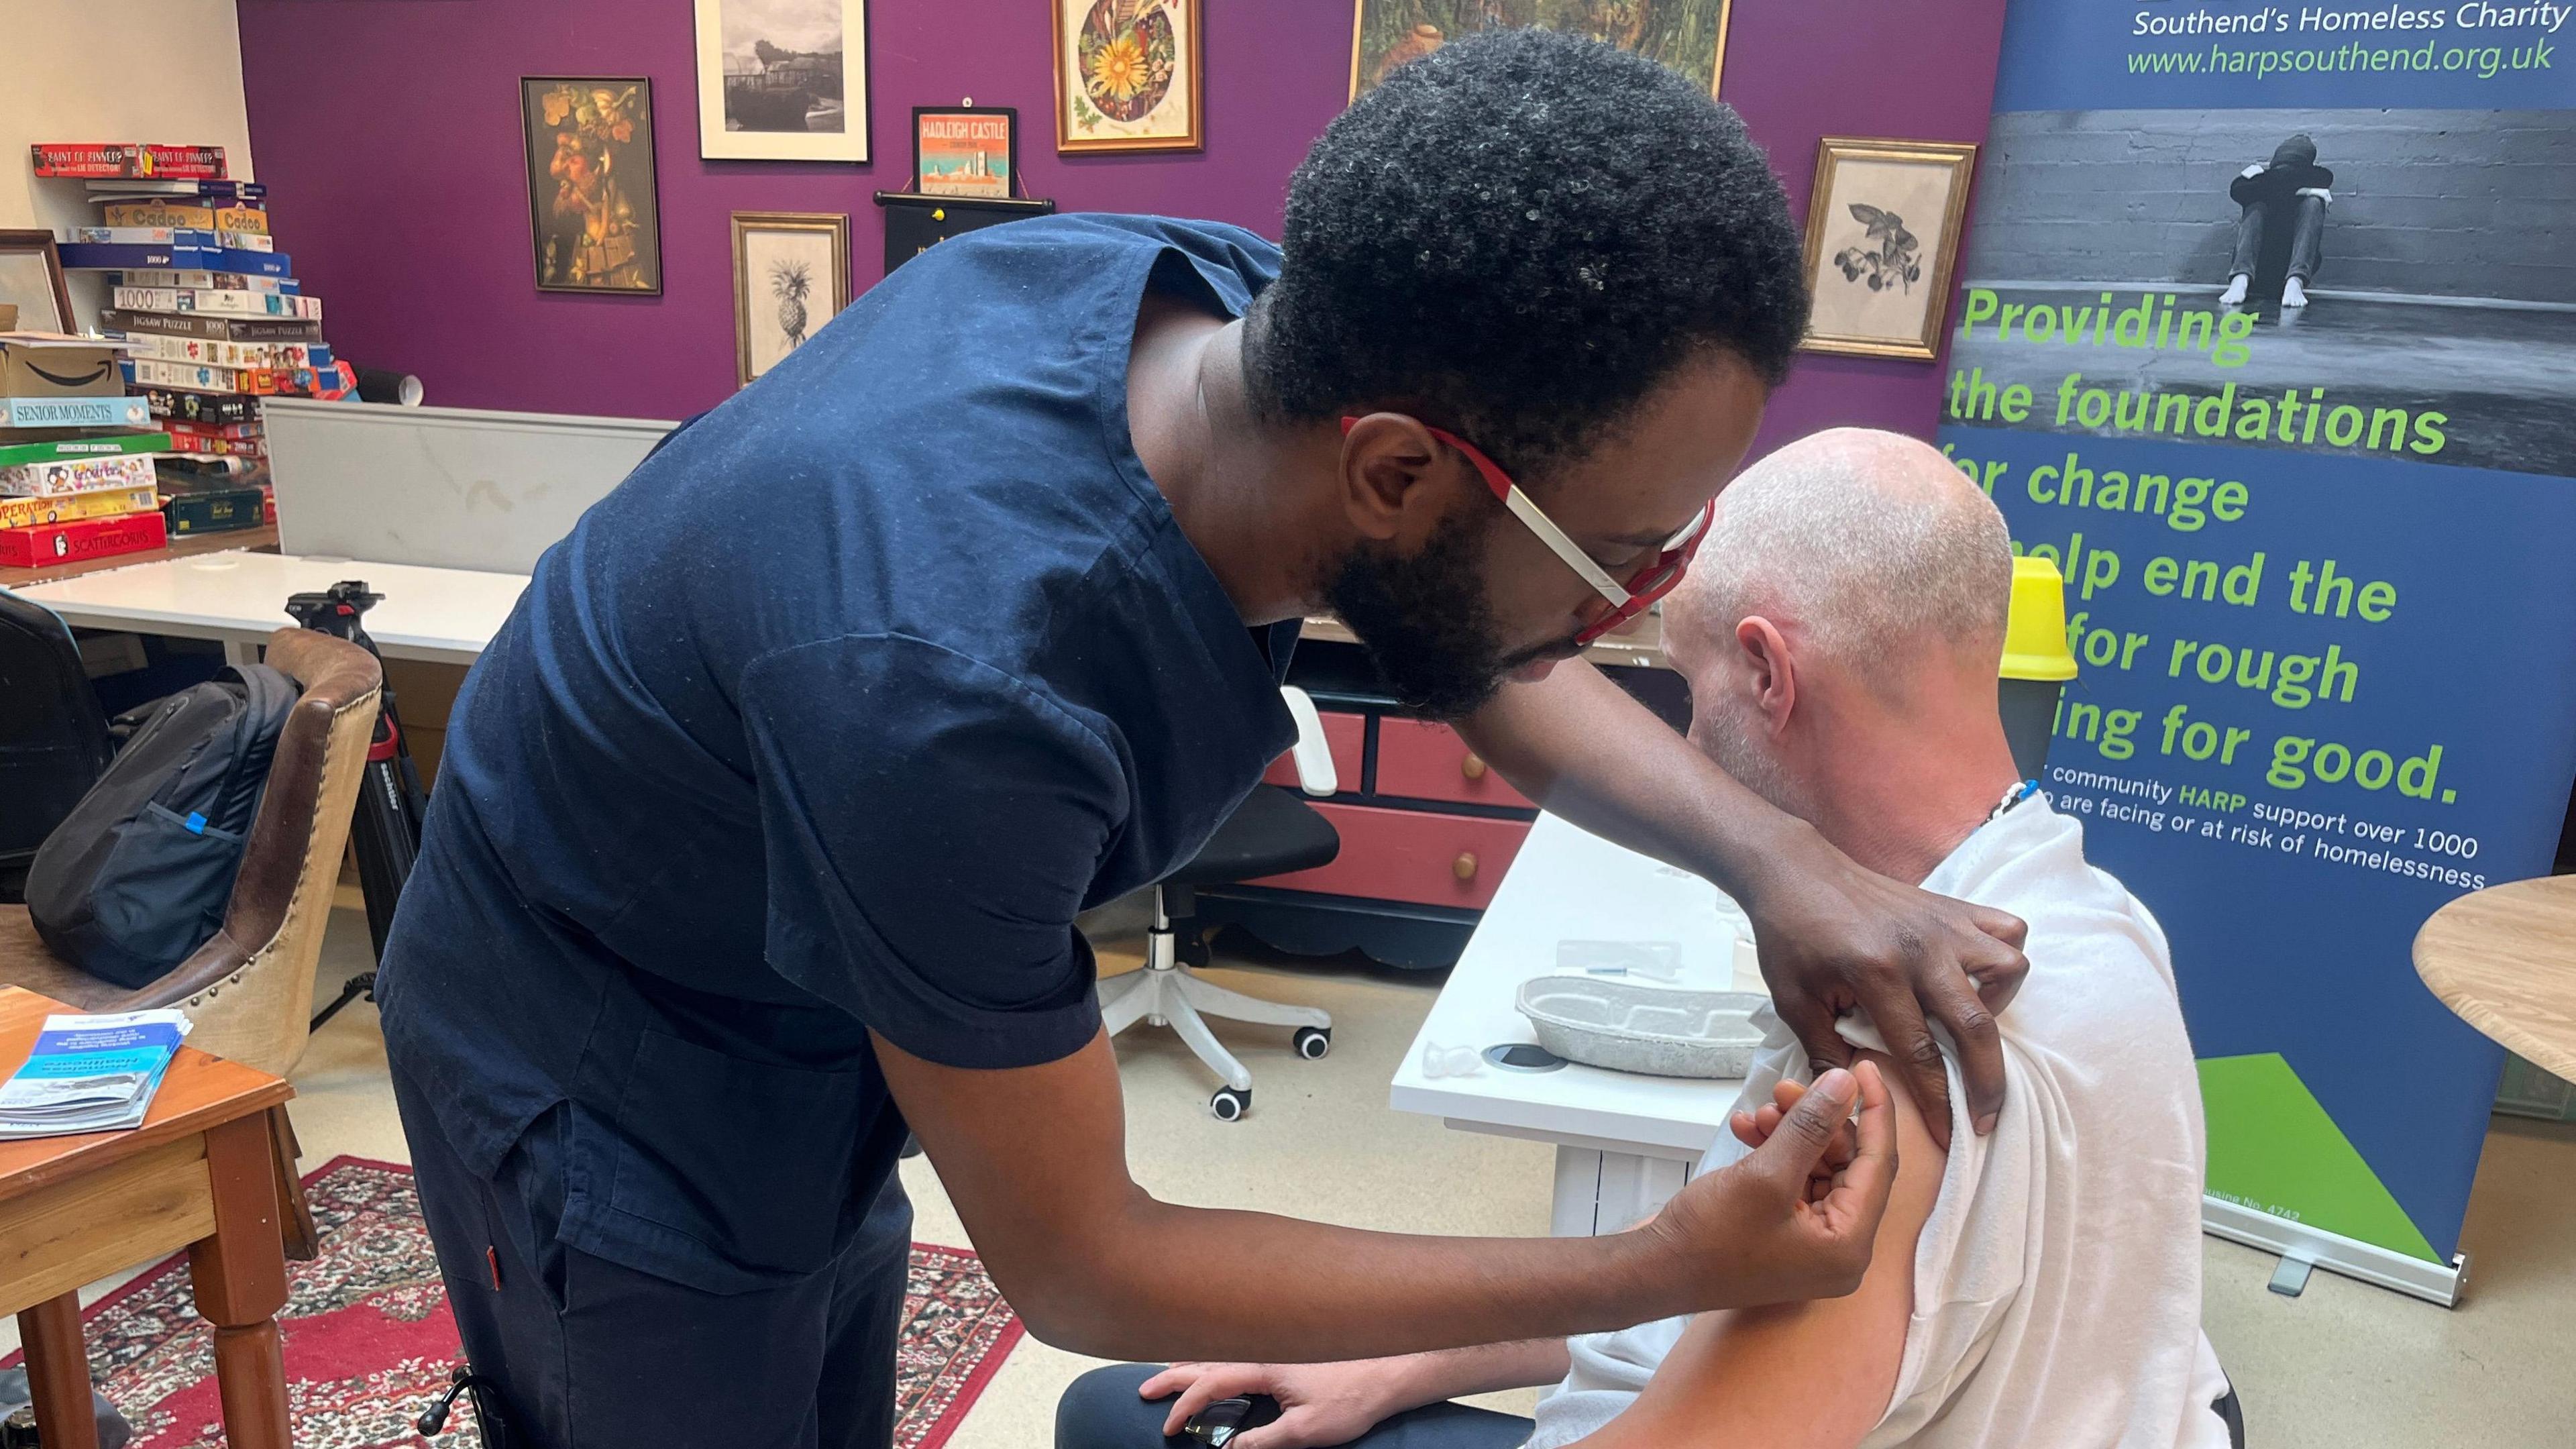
(634, 1359)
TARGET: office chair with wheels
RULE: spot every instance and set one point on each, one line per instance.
(53, 735)
(1272, 831)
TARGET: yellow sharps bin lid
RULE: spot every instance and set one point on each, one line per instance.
(2035, 631)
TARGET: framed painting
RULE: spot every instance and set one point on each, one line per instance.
(1688, 35)
(1128, 75)
(594, 221)
(1883, 227)
(965, 150)
(791, 274)
(783, 80)
(31, 281)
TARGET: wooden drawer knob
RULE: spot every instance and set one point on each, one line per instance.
(1473, 767)
(1464, 867)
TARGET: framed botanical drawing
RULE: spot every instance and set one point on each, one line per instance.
(1128, 74)
(1688, 35)
(965, 150)
(594, 219)
(1882, 241)
(31, 281)
(791, 274)
(783, 80)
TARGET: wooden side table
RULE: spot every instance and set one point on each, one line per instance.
(2504, 958)
(198, 1174)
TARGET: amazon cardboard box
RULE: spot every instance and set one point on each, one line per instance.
(48, 364)
(8, 316)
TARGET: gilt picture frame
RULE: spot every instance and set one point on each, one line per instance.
(791, 274)
(1881, 286)
(1130, 75)
(1687, 35)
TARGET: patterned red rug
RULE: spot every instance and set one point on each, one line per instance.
(369, 1341)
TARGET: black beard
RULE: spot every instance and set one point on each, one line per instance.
(1423, 622)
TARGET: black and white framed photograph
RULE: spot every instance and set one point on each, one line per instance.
(791, 274)
(31, 280)
(783, 80)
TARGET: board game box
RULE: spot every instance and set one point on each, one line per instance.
(106, 160)
(52, 543)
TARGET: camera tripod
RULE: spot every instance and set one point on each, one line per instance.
(391, 802)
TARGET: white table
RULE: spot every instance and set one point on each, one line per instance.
(443, 615)
(1624, 1143)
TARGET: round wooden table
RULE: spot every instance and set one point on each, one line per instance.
(2504, 958)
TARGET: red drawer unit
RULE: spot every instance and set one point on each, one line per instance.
(1412, 855)
(1426, 761)
(1347, 736)
(1427, 827)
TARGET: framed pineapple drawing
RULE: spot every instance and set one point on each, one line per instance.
(791, 274)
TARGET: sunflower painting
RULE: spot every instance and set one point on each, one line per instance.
(1127, 75)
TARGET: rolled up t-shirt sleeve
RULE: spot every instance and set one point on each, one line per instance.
(932, 825)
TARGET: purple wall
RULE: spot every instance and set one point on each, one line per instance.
(1918, 70)
(388, 134)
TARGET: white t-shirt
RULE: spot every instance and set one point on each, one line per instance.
(2057, 1282)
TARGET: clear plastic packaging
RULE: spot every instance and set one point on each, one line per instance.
(1653, 960)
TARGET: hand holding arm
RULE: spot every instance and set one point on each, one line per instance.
(1834, 937)
(1034, 1158)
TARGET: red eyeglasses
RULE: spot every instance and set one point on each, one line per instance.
(1648, 584)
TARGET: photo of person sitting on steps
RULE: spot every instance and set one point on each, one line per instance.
(2281, 230)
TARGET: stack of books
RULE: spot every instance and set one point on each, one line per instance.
(76, 474)
(210, 313)
(90, 1074)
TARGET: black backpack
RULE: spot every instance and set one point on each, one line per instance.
(137, 876)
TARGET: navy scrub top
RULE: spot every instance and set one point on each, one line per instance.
(830, 717)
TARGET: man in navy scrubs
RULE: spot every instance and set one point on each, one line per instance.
(764, 821)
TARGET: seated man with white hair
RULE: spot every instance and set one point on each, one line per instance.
(2033, 1287)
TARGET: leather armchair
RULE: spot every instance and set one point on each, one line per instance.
(249, 990)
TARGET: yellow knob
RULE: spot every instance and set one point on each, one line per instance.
(1464, 867)
(1472, 767)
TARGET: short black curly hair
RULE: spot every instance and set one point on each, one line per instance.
(1519, 236)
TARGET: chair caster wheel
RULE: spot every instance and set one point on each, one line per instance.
(1229, 1105)
(1313, 1042)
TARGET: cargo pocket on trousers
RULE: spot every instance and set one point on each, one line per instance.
(749, 1159)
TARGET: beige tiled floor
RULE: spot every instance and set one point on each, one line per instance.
(2344, 1367)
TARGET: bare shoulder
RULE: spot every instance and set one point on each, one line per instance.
(1816, 1375)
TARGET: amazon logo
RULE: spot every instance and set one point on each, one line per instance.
(70, 380)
